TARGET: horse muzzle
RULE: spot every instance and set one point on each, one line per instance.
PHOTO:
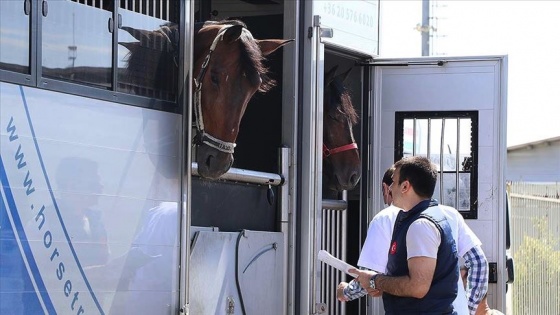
(212, 163)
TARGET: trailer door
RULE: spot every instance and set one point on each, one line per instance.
(452, 110)
(350, 27)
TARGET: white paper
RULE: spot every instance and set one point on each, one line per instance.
(336, 263)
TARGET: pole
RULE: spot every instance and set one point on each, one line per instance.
(425, 29)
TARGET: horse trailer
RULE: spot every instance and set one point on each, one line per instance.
(109, 206)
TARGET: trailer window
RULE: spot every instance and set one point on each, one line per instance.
(450, 140)
(14, 36)
(83, 47)
(148, 61)
(77, 41)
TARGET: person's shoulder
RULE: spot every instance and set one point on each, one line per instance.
(450, 210)
(451, 213)
(389, 213)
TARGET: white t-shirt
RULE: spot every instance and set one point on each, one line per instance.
(376, 246)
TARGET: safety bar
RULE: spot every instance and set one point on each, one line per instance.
(247, 176)
(332, 204)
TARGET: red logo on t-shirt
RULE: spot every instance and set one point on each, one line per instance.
(393, 248)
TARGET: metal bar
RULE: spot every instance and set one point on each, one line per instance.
(429, 142)
(328, 237)
(336, 205)
(403, 64)
(115, 44)
(343, 238)
(441, 160)
(185, 98)
(338, 251)
(457, 152)
(545, 199)
(247, 176)
(414, 136)
(425, 28)
(286, 222)
(167, 15)
(323, 266)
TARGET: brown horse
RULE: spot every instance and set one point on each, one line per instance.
(341, 159)
(228, 71)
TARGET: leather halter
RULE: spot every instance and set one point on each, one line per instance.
(347, 147)
(203, 137)
(328, 152)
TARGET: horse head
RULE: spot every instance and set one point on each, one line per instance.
(228, 70)
(341, 159)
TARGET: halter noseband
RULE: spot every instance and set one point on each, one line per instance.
(203, 137)
(328, 152)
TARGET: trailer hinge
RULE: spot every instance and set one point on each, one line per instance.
(321, 308)
(184, 310)
(492, 272)
(230, 307)
(310, 32)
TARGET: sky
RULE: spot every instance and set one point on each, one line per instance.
(527, 31)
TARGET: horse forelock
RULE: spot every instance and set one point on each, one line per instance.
(251, 61)
(342, 96)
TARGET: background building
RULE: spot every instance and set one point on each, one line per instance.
(537, 161)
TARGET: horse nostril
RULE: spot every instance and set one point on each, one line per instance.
(209, 160)
(354, 178)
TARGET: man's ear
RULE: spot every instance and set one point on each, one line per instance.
(405, 186)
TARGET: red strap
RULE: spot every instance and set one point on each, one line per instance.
(328, 152)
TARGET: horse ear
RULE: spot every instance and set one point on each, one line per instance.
(344, 76)
(268, 46)
(142, 36)
(232, 33)
(330, 75)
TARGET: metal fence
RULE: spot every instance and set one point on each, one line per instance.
(535, 247)
(333, 239)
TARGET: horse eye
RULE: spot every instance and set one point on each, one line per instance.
(337, 115)
(214, 79)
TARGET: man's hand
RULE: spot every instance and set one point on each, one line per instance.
(363, 277)
(339, 291)
(374, 292)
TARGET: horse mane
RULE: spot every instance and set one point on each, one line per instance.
(342, 92)
(251, 58)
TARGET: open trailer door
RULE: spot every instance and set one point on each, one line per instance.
(351, 27)
(454, 111)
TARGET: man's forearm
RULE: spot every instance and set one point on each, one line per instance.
(399, 286)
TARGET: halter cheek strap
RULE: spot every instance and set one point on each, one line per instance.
(351, 146)
(203, 137)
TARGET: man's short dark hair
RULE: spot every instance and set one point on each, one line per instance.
(388, 176)
(420, 172)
